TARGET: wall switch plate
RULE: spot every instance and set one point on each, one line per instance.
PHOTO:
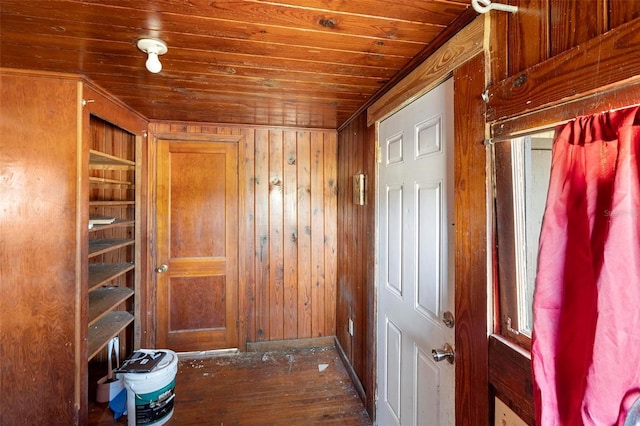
(350, 327)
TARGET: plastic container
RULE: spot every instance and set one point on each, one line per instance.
(150, 395)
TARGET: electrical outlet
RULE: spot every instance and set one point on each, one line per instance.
(350, 327)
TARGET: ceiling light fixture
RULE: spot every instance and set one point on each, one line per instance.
(484, 6)
(153, 48)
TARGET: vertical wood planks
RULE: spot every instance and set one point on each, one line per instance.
(246, 237)
(527, 41)
(317, 234)
(584, 23)
(355, 251)
(330, 230)
(290, 236)
(276, 215)
(543, 29)
(262, 234)
(304, 234)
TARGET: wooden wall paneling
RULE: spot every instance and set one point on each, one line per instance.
(346, 252)
(304, 235)
(621, 11)
(262, 235)
(510, 377)
(343, 219)
(498, 49)
(356, 250)
(358, 257)
(600, 64)
(368, 282)
(351, 242)
(42, 305)
(341, 230)
(276, 246)
(467, 43)
(528, 36)
(573, 23)
(470, 245)
(246, 237)
(290, 235)
(330, 229)
(317, 235)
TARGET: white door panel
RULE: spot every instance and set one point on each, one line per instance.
(415, 180)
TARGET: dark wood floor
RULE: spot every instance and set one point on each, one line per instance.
(260, 388)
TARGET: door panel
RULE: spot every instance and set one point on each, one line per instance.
(393, 355)
(197, 198)
(416, 268)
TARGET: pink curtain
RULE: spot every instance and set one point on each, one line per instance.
(586, 339)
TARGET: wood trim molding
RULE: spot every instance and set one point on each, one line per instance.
(357, 384)
(197, 137)
(625, 95)
(280, 345)
(603, 63)
(186, 125)
(470, 219)
(463, 46)
(111, 109)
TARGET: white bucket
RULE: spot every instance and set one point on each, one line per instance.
(150, 395)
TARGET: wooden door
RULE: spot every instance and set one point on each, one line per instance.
(415, 252)
(197, 245)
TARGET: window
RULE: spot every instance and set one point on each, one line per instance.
(522, 167)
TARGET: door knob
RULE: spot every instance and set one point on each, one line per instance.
(445, 353)
(162, 268)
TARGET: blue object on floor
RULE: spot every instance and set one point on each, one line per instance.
(119, 404)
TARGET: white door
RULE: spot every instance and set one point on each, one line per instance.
(415, 262)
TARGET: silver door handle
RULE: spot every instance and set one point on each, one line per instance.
(445, 353)
(162, 268)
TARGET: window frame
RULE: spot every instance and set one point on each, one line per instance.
(512, 174)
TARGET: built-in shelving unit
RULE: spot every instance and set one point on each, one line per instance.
(111, 246)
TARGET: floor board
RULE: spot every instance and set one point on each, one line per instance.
(260, 388)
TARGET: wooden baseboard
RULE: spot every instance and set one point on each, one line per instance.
(279, 345)
(352, 373)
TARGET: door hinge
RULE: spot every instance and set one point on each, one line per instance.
(378, 153)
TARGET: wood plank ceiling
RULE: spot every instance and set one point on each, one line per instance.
(303, 63)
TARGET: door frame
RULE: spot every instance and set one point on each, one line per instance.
(473, 255)
(149, 333)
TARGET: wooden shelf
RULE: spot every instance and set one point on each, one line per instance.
(111, 203)
(94, 180)
(97, 247)
(103, 299)
(105, 329)
(101, 273)
(98, 158)
(112, 279)
(118, 223)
